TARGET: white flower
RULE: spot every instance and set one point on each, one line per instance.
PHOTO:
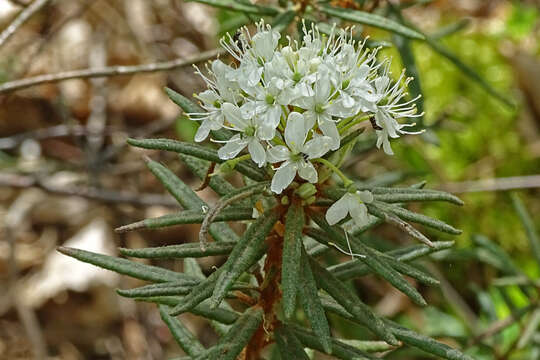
(297, 154)
(350, 203)
(320, 108)
(251, 134)
(220, 90)
(389, 109)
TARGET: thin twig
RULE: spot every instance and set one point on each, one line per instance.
(23, 17)
(92, 193)
(107, 71)
(220, 205)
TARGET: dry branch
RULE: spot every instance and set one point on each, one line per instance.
(107, 71)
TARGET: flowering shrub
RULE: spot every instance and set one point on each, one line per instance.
(285, 118)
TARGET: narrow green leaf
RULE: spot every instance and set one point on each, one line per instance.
(372, 20)
(348, 299)
(244, 254)
(370, 258)
(530, 329)
(188, 199)
(248, 169)
(418, 196)
(188, 250)
(412, 216)
(532, 235)
(409, 270)
(292, 244)
(198, 294)
(354, 268)
(167, 289)
(409, 337)
(176, 187)
(126, 267)
(240, 334)
(185, 339)
(192, 267)
(283, 20)
(187, 105)
(188, 217)
(244, 7)
(426, 343)
(161, 289)
(368, 346)
(221, 315)
(200, 168)
(312, 305)
(289, 346)
(339, 349)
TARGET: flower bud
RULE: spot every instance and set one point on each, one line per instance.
(306, 190)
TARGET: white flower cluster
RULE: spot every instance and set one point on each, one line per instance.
(287, 104)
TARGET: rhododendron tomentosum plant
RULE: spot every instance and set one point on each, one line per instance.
(285, 115)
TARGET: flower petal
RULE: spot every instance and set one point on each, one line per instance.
(307, 171)
(283, 177)
(338, 211)
(317, 147)
(258, 155)
(278, 153)
(233, 114)
(232, 148)
(295, 132)
(328, 128)
(359, 213)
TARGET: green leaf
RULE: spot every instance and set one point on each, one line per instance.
(161, 289)
(167, 289)
(222, 315)
(348, 299)
(126, 267)
(421, 195)
(244, 7)
(354, 268)
(200, 168)
(188, 217)
(412, 216)
(187, 341)
(180, 251)
(292, 244)
(532, 235)
(426, 343)
(176, 187)
(289, 346)
(339, 349)
(409, 337)
(191, 267)
(246, 168)
(198, 294)
(312, 305)
(372, 20)
(244, 254)
(187, 105)
(188, 199)
(370, 257)
(239, 336)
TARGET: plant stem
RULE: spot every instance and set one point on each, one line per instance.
(350, 124)
(345, 179)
